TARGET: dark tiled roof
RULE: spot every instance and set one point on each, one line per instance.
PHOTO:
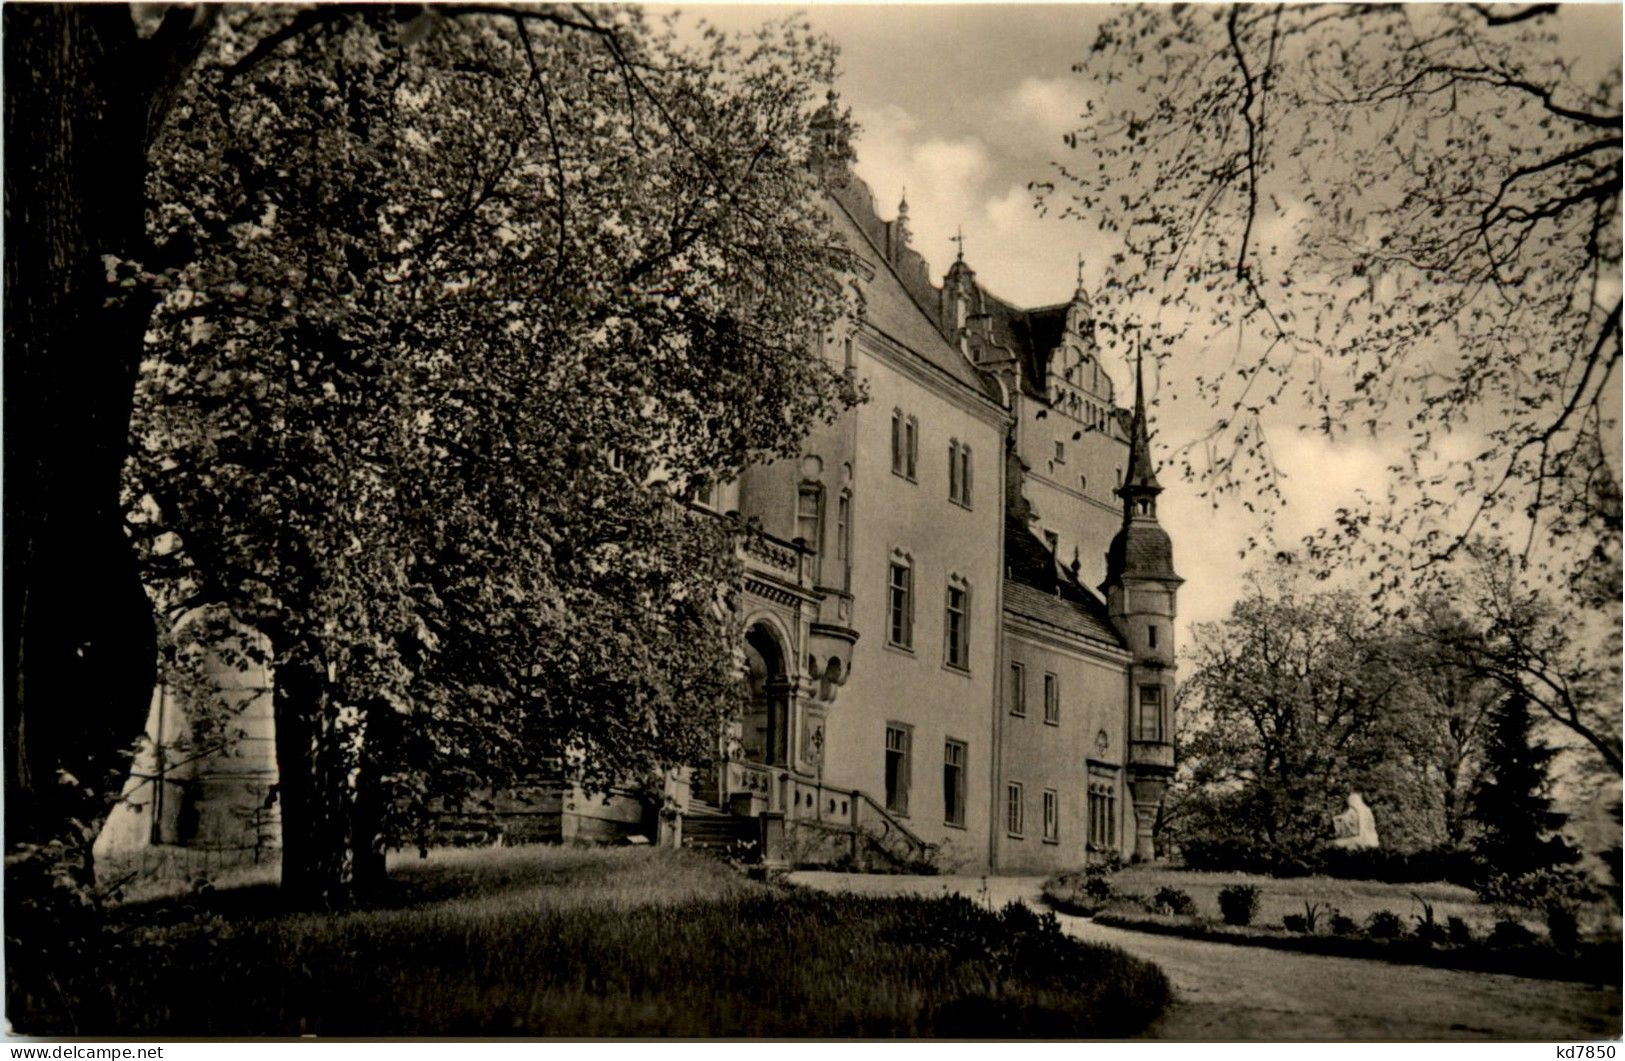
(997, 329)
(1030, 334)
(892, 300)
(1142, 550)
(1059, 612)
(1035, 588)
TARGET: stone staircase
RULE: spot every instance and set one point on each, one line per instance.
(706, 828)
(823, 826)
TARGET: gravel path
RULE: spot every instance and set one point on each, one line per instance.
(1230, 993)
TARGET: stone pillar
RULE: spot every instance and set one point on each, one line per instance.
(1147, 793)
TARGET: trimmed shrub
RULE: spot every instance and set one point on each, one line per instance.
(1342, 925)
(1295, 923)
(1457, 865)
(1458, 932)
(1452, 864)
(1172, 900)
(1238, 903)
(1509, 932)
(1429, 932)
(1384, 924)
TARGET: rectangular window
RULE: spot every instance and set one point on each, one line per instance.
(843, 538)
(953, 782)
(809, 516)
(810, 521)
(1052, 816)
(1014, 812)
(1052, 699)
(897, 442)
(898, 740)
(957, 627)
(1149, 724)
(1018, 689)
(850, 363)
(911, 447)
(1151, 636)
(959, 473)
(1060, 453)
(1102, 816)
(901, 627)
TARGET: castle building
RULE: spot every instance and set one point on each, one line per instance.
(958, 601)
(963, 649)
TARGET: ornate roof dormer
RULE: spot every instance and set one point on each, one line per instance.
(1080, 315)
(831, 129)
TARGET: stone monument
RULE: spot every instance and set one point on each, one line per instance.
(1356, 827)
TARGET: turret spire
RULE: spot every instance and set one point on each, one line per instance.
(1142, 475)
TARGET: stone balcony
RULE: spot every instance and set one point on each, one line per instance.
(1151, 755)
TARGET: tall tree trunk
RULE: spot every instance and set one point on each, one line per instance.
(79, 634)
(1452, 803)
(371, 800)
(314, 780)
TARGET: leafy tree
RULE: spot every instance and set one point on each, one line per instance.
(1452, 702)
(1558, 654)
(451, 304)
(1511, 802)
(1294, 700)
(1400, 220)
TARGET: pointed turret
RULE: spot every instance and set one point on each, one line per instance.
(1141, 595)
(1142, 548)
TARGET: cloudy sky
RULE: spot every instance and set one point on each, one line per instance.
(962, 105)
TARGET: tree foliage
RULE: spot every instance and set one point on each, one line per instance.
(452, 301)
(1391, 221)
(1299, 697)
(1292, 702)
(1559, 653)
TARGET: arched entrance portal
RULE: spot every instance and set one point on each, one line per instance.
(767, 720)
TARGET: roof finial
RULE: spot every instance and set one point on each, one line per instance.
(902, 204)
(959, 238)
(1080, 272)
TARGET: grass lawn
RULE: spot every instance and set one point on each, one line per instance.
(594, 942)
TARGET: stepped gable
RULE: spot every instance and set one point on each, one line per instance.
(1035, 587)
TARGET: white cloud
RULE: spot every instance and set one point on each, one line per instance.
(1047, 106)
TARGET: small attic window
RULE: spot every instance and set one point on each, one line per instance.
(1060, 453)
